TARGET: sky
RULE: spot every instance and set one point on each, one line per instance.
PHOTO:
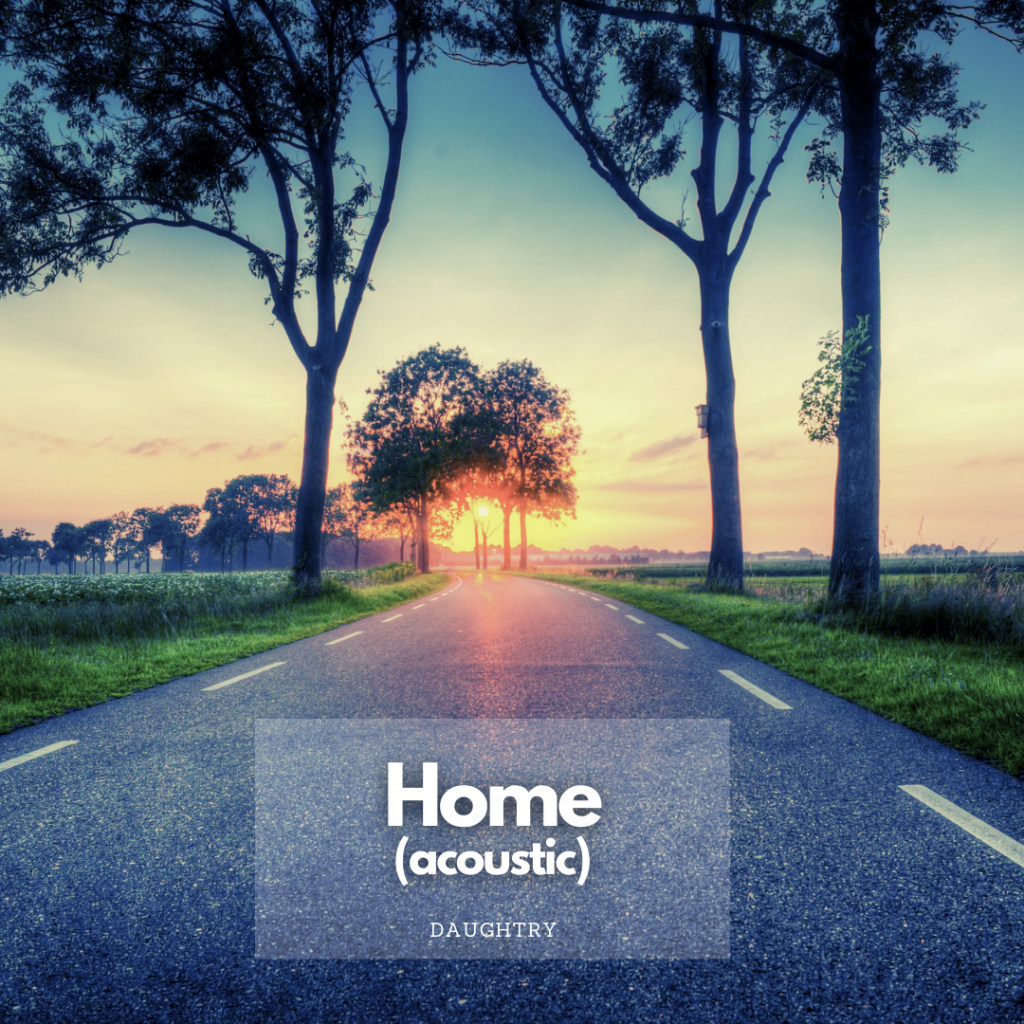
(163, 375)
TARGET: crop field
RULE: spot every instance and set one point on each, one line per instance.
(161, 587)
(817, 568)
(70, 641)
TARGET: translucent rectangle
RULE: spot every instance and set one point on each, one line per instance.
(335, 881)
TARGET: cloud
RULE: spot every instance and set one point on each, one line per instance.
(985, 460)
(258, 451)
(650, 487)
(213, 446)
(655, 451)
(158, 446)
(47, 441)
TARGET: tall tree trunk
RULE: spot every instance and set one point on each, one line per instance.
(476, 541)
(309, 510)
(522, 535)
(854, 572)
(726, 563)
(506, 563)
(355, 561)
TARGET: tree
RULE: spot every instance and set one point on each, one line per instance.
(354, 520)
(883, 84)
(254, 506)
(16, 548)
(333, 522)
(174, 529)
(120, 539)
(40, 550)
(97, 536)
(217, 534)
(533, 438)
(478, 482)
(400, 522)
(275, 504)
(403, 450)
(147, 530)
(166, 114)
(662, 69)
(69, 544)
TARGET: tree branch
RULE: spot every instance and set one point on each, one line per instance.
(763, 189)
(708, 21)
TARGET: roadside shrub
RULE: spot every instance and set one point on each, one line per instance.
(981, 607)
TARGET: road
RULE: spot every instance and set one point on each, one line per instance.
(127, 857)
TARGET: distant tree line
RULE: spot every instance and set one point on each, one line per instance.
(438, 439)
(246, 509)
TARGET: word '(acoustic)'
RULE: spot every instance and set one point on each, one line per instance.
(576, 807)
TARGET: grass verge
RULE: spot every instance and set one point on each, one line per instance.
(57, 659)
(969, 695)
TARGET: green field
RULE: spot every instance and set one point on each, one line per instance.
(70, 641)
(818, 568)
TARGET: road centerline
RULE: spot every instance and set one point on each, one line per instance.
(635, 619)
(341, 638)
(755, 690)
(245, 675)
(15, 761)
(674, 642)
(392, 618)
(999, 841)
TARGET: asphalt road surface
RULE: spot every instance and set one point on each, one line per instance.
(127, 856)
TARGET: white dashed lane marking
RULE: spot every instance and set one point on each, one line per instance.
(418, 607)
(999, 842)
(247, 675)
(14, 761)
(393, 617)
(755, 690)
(341, 638)
(635, 619)
(614, 607)
(675, 643)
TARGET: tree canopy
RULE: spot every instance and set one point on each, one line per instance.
(882, 84)
(526, 437)
(403, 450)
(129, 114)
(666, 73)
(438, 436)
